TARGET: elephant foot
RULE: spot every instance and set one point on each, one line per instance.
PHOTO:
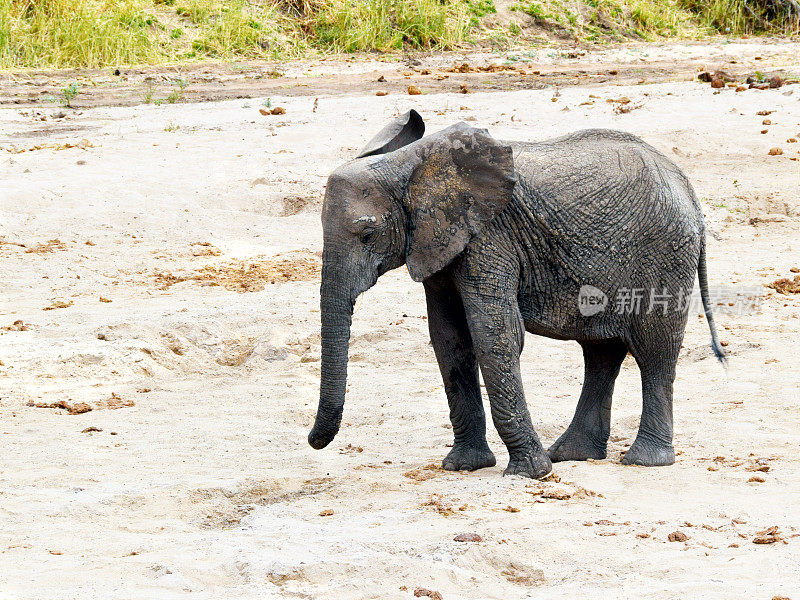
(535, 465)
(649, 453)
(469, 457)
(575, 444)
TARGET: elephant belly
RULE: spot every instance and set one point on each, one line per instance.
(558, 317)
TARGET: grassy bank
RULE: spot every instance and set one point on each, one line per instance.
(95, 33)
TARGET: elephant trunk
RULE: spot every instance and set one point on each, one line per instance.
(337, 313)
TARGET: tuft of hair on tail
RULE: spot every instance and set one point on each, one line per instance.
(702, 276)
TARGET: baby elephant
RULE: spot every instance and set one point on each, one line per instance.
(594, 237)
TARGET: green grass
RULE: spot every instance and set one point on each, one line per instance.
(353, 25)
(747, 16)
(99, 33)
(596, 20)
(43, 33)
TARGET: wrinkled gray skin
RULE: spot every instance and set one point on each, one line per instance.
(503, 236)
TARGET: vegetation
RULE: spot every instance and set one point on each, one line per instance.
(96, 33)
(747, 16)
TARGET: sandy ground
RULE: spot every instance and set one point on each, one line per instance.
(165, 273)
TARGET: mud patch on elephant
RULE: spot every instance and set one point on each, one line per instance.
(251, 275)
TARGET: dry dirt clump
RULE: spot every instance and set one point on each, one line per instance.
(432, 594)
(46, 247)
(83, 145)
(786, 286)
(205, 249)
(76, 408)
(768, 536)
(424, 473)
(251, 275)
(438, 504)
(17, 325)
(115, 402)
(467, 68)
(58, 304)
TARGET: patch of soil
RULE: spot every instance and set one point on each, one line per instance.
(83, 145)
(786, 286)
(434, 72)
(76, 408)
(46, 247)
(251, 275)
(115, 402)
(438, 504)
(205, 249)
(424, 473)
(17, 325)
(58, 304)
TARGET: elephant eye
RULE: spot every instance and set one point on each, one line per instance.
(368, 235)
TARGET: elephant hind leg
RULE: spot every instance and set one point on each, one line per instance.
(587, 435)
(653, 444)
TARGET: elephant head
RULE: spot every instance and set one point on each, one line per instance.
(404, 199)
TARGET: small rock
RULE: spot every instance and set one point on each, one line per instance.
(433, 595)
(768, 536)
(91, 429)
(79, 408)
(381, 93)
(677, 536)
(717, 83)
(756, 479)
(381, 79)
(775, 152)
(775, 81)
(414, 90)
(766, 122)
(556, 494)
(278, 110)
(463, 89)
(468, 537)
(326, 513)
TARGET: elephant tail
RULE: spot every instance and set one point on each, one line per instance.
(702, 276)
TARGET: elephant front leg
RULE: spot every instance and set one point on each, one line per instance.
(497, 332)
(452, 344)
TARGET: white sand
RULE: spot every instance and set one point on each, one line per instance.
(209, 489)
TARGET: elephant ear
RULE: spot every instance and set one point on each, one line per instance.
(463, 179)
(402, 131)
